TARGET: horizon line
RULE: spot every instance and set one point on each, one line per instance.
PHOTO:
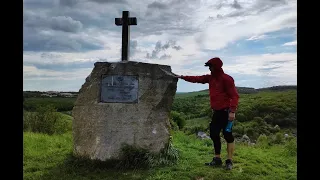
(176, 91)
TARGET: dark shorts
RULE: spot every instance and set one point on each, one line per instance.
(219, 121)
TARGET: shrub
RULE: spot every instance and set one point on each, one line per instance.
(133, 157)
(278, 138)
(275, 129)
(238, 128)
(46, 120)
(174, 125)
(42, 121)
(268, 118)
(178, 118)
(263, 141)
(252, 133)
(241, 117)
(259, 121)
(63, 124)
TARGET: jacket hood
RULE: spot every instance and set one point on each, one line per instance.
(216, 64)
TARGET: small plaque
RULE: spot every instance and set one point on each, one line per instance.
(122, 89)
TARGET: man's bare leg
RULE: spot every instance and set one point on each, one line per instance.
(230, 150)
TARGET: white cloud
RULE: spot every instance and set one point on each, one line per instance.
(293, 43)
(263, 70)
(257, 37)
(281, 65)
(195, 26)
(221, 32)
(33, 73)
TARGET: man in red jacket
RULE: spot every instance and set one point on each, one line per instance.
(224, 101)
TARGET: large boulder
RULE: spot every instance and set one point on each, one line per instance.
(108, 114)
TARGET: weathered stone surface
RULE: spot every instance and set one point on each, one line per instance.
(100, 129)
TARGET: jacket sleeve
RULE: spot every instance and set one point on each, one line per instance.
(197, 79)
(232, 93)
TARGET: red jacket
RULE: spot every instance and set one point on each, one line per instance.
(222, 90)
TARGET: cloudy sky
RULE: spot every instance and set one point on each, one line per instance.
(256, 39)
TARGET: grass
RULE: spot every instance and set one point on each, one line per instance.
(204, 121)
(50, 158)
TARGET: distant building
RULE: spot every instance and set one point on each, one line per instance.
(48, 95)
(57, 93)
(66, 94)
(53, 92)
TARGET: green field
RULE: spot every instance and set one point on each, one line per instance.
(50, 157)
(264, 116)
(61, 103)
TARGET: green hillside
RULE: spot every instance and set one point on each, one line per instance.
(241, 90)
(268, 117)
(275, 106)
(267, 111)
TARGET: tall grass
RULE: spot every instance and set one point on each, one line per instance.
(140, 158)
(46, 120)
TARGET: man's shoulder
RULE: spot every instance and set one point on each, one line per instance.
(227, 77)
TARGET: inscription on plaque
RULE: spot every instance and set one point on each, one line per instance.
(116, 88)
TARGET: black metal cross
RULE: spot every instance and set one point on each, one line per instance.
(125, 22)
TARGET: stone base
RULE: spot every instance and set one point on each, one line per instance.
(100, 129)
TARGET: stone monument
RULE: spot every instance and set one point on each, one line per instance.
(124, 102)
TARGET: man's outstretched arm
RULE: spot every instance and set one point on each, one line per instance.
(196, 79)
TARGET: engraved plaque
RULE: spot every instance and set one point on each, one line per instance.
(123, 89)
